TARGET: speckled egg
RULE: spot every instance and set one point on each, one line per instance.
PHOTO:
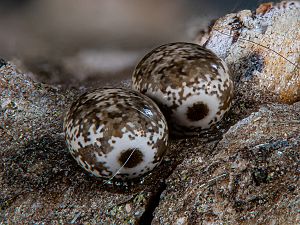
(190, 83)
(116, 133)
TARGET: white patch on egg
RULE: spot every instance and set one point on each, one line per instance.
(180, 114)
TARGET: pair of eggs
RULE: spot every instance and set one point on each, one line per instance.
(123, 134)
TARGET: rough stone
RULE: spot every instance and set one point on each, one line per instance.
(244, 171)
(262, 49)
(250, 177)
(40, 183)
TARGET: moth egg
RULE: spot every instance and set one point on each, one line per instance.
(191, 84)
(116, 133)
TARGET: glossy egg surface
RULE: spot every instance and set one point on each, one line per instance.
(190, 83)
(116, 133)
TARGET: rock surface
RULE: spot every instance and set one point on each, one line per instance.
(245, 171)
(262, 49)
(40, 182)
(250, 177)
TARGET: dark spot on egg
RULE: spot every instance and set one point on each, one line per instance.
(131, 158)
(197, 111)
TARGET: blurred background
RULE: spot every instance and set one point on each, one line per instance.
(76, 40)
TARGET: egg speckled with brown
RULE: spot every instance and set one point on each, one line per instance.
(116, 133)
(190, 83)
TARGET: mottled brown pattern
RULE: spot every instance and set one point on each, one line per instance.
(162, 146)
(227, 95)
(116, 111)
(87, 156)
(166, 73)
(161, 68)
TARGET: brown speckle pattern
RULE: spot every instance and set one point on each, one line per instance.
(106, 126)
(186, 79)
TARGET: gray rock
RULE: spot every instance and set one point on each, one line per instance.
(234, 178)
(250, 177)
(40, 183)
(262, 50)
(243, 171)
